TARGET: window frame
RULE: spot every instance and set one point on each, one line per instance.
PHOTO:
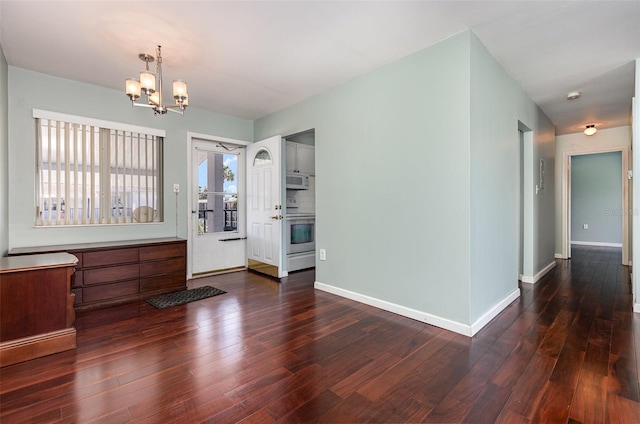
(105, 128)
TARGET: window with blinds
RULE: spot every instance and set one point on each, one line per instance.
(89, 174)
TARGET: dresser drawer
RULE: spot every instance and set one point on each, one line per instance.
(166, 266)
(109, 291)
(111, 273)
(162, 251)
(110, 257)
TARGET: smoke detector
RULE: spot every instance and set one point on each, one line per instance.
(573, 95)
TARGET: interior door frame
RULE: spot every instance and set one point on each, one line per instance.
(242, 203)
(566, 198)
(527, 197)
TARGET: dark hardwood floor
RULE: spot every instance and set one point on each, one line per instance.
(566, 351)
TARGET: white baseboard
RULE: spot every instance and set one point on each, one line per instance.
(527, 279)
(534, 279)
(493, 312)
(596, 243)
(545, 270)
(558, 256)
(466, 330)
(636, 308)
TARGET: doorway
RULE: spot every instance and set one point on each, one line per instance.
(622, 209)
(527, 189)
(596, 200)
(521, 206)
(217, 229)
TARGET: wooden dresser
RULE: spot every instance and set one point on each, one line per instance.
(116, 272)
(36, 306)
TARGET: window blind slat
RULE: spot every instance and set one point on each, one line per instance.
(146, 169)
(58, 186)
(66, 183)
(48, 197)
(130, 158)
(115, 210)
(105, 164)
(83, 170)
(94, 191)
(40, 194)
(76, 184)
(138, 167)
(153, 173)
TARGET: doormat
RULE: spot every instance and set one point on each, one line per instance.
(185, 296)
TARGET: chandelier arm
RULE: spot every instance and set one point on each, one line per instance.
(159, 70)
(172, 109)
(142, 104)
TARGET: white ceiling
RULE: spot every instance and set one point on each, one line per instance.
(249, 59)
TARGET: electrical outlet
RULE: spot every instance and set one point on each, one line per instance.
(323, 254)
(585, 226)
(176, 188)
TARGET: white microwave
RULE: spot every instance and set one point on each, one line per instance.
(297, 181)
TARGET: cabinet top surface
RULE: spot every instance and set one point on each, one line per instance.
(96, 245)
(33, 262)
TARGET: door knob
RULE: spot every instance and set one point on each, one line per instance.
(276, 217)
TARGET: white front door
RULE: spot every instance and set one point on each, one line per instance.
(218, 229)
(265, 206)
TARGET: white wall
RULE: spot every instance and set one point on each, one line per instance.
(414, 134)
(29, 90)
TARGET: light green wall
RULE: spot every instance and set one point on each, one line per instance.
(596, 197)
(392, 179)
(635, 188)
(498, 104)
(417, 167)
(29, 90)
(4, 157)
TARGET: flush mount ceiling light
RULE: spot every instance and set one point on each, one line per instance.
(590, 129)
(147, 84)
(573, 95)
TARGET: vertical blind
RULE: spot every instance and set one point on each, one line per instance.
(88, 174)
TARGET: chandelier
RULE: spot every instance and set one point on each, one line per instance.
(147, 85)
